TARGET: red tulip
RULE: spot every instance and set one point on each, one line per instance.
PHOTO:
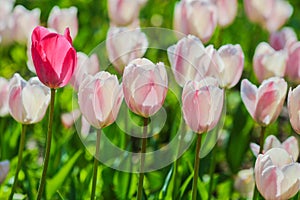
(53, 56)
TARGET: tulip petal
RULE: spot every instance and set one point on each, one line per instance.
(248, 94)
(292, 147)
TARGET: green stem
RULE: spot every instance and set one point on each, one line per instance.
(96, 164)
(48, 146)
(211, 172)
(21, 148)
(144, 143)
(196, 166)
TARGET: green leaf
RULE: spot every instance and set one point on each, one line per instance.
(54, 183)
(163, 193)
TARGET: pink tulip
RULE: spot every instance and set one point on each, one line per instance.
(6, 30)
(283, 39)
(28, 101)
(25, 21)
(53, 56)
(264, 103)
(294, 108)
(270, 14)
(59, 19)
(124, 45)
(244, 183)
(4, 109)
(227, 11)
(100, 97)
(202, 104)
(68, 119)
(6, 9)
(268, 62)
(197, 17)
(290, 145)
(85, 65)
(277, 176)
(229, 64)
(293, 64)
(124, 12)
(4, 169)
(145, 86)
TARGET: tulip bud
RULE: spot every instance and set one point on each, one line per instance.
(124, 45)
(85, 65)
(244, 183)
(283, 39)
(59, 19)
(100, 97)
(4, 169)
(145, 86)
(264, 103)
(227, 10)
(229, 64)
(4, 85)
(276, 175)
(293, 64)
(53, 56)
(268, 62)
(124, 12)
(28, 101)
(196, 17)
(202, 104)
(25, 21)
(294, 108)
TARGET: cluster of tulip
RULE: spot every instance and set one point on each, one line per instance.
(202, 72)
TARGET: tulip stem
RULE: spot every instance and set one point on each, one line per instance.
(196, 166)
(262, 139)
(21, 148)
(96, 164)
(48, 145)
(144, 143)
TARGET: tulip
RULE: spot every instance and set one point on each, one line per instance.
(276, 175)
(4, 169)
(6, 30)
(124, 45)
(290, 145)
(283, 39)
(68, 119)
(227, 10)
(202, 104)
(229, 64)
(145, 86)
(294, 108)
(189, 59)
(293, 64)
(6, 8)
(124, 12)
(28, 101)
(4, 85)
(268, 62)
(66, 17)
(264, 103)
(100, 97)
(197, 17)
(244, 183)
(25, 21)
(53, 56)
(85, 65)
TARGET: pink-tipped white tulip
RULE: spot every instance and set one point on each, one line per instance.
(100, 97)
(290, 145)
(283, 39)
(268, 62)
(4, 88)
(60, 18)
(4, 169)
(124, 45)
(145, 86)
(244, 183)
(197, 17)
(25, 21)
(293, 64)
(227, 11)
(124, 12)
(264, 103)
(85, 65)
(202, 103)
(229, 64)
(276, 175)
(28, 101)
(294, 108)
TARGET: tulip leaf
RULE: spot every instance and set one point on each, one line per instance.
(54, 183)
